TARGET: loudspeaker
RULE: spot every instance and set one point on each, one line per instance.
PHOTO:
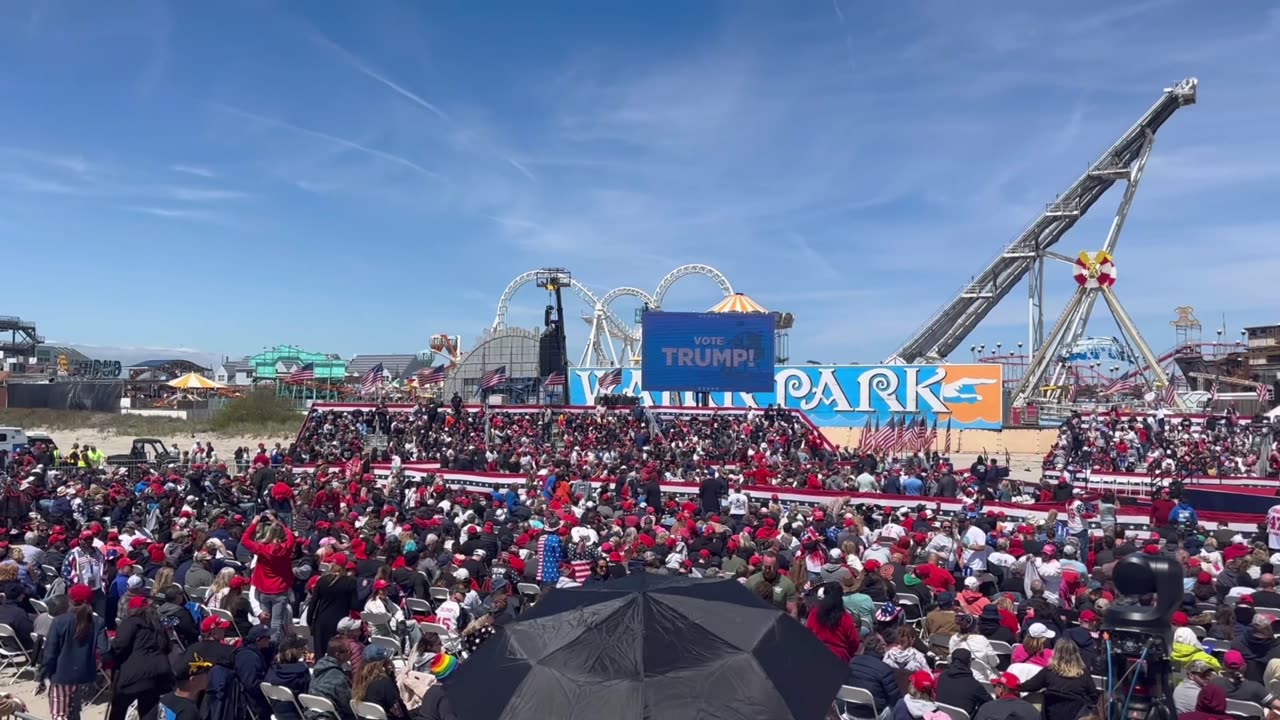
(549, 357)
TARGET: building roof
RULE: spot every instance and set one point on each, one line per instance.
(393, 364)
(738, 303)
(171, 362)
(71, 353)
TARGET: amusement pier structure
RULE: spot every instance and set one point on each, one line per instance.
(1050, 380)
(615, 342)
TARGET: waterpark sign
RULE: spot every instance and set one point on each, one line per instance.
(708, 352)
(969, 396)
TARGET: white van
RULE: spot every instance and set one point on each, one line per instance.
(12, 439)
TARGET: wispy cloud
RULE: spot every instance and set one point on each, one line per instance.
(523, 170)
(173, 213)
(368, 71)
(196, 170)
(332, 140)
(203, 194)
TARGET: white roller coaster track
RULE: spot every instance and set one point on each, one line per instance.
(685, 271)
(605, 324)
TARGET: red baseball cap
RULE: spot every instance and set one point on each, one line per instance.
(1008, 680)
(213, 622)
(1233, 659)
(923, 681)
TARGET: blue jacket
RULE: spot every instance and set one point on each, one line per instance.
(1184, 515)
(876, 677)
(68, 661)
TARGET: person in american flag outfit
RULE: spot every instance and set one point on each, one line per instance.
(84, 565)
(581, 555)
(550, 553)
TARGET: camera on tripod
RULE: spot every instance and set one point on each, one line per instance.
(1139, 637)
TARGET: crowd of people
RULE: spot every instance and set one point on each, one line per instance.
(1166, 447)
(189, 587)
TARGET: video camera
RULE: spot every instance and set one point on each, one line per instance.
(1139, 638)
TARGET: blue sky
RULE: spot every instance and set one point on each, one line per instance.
(354, 177)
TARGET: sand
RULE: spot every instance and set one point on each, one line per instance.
(111, 443)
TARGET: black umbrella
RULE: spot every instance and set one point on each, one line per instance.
(649, 647)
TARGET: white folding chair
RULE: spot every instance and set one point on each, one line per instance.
(1244, 709)
(387, 642)
(226, 615)
(1100, 682)
(438, 594)
(529, 591)
(277, 693)
(368, 711)
(912, 613)
(378, 622)
(954, 712)
(416, 606)
(317, 704)
(449, 640)
(13, 654)
(856, 703)
(1003, 651)
(39, 606)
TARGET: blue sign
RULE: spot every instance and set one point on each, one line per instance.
(707, 352)
(849, 396)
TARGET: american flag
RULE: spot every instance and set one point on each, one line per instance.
(431, 377)
(1169, 395)
(1213, 392)
(1120, 385)
(555, 379)
(869, 445)
(921, 436)
(306, 373)
(931, 440)
(903, 436)
(884, 441)
(610, 380)
(1265, 393)
(865, 436)
(946, 445)
(493, 378)
(371, 379)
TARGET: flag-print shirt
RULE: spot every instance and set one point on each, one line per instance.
(83, 567)
(550, 554)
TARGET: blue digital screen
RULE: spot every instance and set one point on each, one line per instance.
(707, 352)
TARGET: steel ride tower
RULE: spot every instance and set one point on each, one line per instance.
(1025, 257)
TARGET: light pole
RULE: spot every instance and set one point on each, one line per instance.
(553, 280)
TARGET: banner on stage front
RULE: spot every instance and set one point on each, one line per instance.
(969, 396)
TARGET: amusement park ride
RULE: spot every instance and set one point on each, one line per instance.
(1056, 371)
(1048, 379)
(608, 330)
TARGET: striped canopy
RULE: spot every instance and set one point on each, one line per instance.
(195, 381)
(738, 303)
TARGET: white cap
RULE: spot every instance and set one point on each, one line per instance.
(1038, 630)
(835, 554)
(971, 583)
(461, 575)
(1237, 539)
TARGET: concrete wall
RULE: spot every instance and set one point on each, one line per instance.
(1016, 441)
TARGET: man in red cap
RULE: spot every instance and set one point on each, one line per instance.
(84, 564)
(1008, 704)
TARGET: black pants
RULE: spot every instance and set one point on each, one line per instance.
(147, 704)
